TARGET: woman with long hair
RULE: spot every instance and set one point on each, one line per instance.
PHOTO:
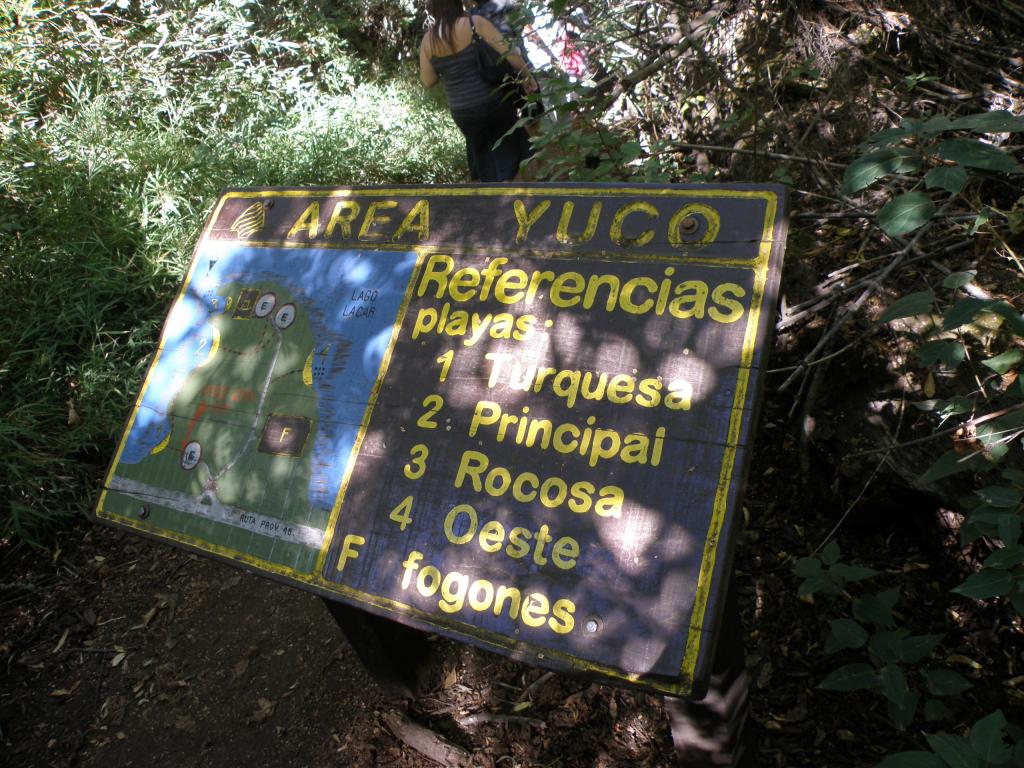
(481, 112)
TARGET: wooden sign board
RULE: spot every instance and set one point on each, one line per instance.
(513, 415)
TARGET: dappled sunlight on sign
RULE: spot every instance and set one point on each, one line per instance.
(529, 434)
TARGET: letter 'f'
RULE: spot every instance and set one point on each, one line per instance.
(348, 549)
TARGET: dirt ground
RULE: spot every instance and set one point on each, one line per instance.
(117, 651)
(130, 653)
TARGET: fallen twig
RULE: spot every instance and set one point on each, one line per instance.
(479, 718)
(758, 152)
(939, 433)
(425, 741)
(873, 286)
(532, 687)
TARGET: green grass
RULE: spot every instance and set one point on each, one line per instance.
(105, 183)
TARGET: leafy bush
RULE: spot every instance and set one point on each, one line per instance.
(997, 421)
(958, 330)
(891, 650)
(984, 747)
(944, 152)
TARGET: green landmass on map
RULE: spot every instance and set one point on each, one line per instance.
(253, 412)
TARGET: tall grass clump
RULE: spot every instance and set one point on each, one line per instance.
(120, 124)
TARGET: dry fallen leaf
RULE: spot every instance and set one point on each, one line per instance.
(61, 692)
(118, 658)
(450, 678)
(239, 669)
(264, 709)
(60, 643)
(964, 660)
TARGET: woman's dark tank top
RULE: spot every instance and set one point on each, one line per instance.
(461, 80)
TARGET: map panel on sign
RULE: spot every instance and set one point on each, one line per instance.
(260, 386)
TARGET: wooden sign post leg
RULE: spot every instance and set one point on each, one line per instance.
(392, 653)
(713, 731)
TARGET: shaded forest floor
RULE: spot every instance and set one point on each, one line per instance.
(124, 652)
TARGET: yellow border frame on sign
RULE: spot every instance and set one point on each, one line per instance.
(759, 265)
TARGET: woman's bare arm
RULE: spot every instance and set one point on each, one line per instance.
(428, 75)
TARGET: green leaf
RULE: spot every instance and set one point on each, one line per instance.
(905, 213)
(965, 310)
(917, 647)
(1017, 601)
(885, 645)
(946, 408)
(865, 170)
(814, 584)
(936, 124)
(1004, 362)
(955, 751)
(983, 524)
(806, 567)
(994, 439)
(631, 150)
(951, 178)
(912, 304)
(846, 633)
(852, 572)
(1000, 496)
(877, 609)
(1005, 558)
(959, 279)
(886, 137)
(945, 682)
(914, 759)
(987, 738)
(852, 677)
(830, 555)
(949, 353)
(951, 463)
(983, 216)
(935, 710)
(1009, 527)
(985, 584)
(977, 154)
(998, 121)
(902, 708)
